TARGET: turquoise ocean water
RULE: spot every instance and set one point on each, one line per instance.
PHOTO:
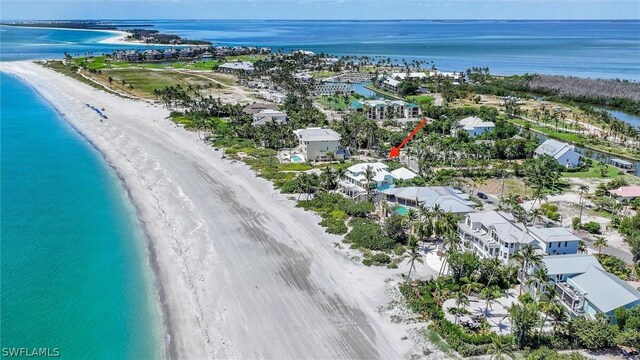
(74, 273)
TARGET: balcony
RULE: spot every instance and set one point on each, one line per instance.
(570, 297)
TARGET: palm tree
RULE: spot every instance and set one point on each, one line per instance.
(600, 243)
(527, 257)
(583, 190)
(541, 277)
(368, 175)
(582, 247)
(499, 349)
(461, 300)
(414, 255)
(489, 295)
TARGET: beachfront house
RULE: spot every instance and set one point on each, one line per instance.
(206, 56)
(453, 76)
(185, 53)
(267, 116)
(240, 67)
(446, 198)
(474, 126)
(170, 54)
(319, 144)
(497, 234)
(385, 109)
(582, 286)
(563, 153)
(152, 55)
(409, 75)
(255, 108)
(355, 182)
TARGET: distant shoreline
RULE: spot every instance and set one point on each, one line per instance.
(118, 38)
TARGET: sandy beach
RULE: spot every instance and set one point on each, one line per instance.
(240, 271)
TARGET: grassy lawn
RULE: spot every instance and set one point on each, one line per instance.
(594, 172)
(423, 100)
(145, 81)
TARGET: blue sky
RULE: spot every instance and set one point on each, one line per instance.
(319, 9)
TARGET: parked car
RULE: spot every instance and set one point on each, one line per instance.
(482, 196)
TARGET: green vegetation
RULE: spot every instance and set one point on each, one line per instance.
(594, 170)
(423, 100)
(574, 138)
(334, 210)
(616, 266)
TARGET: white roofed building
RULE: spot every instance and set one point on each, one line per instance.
(474, 126)
(565, 154)
(318, 144)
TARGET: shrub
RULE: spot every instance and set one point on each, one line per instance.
(592, 334)
(615, 265)
(575, 223)
(368, 234)
(334, 225)
(592, 227)
(377, 260)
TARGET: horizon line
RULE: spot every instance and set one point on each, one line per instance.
(328, 19)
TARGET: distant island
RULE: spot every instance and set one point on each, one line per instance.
(136, 34)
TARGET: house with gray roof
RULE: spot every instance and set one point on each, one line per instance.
(267, 116)
(493, 234)
(497, 234)
(318, 144)
(446, 198)
(597, 291)
(583, 286)
(563, 153)
(239, 67)
(474, 126)
(555, 240)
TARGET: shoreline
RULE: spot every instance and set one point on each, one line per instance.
(118, 37)
(241, 269)
(147, 246)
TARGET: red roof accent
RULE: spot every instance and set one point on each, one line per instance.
(627, 191)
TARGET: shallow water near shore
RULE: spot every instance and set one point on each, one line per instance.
(74, 270)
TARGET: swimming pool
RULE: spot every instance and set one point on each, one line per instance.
(401, 210)
(297, 158)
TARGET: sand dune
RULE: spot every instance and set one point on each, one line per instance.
(241, 272)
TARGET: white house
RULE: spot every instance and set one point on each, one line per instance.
(583, 286)
(475, 126)
(411, 75)
(390, 84)
(497, 234)
(356, 176)
(385, 109)
(403, 174)
(563, 153)
(446, 198)
(317, 143)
